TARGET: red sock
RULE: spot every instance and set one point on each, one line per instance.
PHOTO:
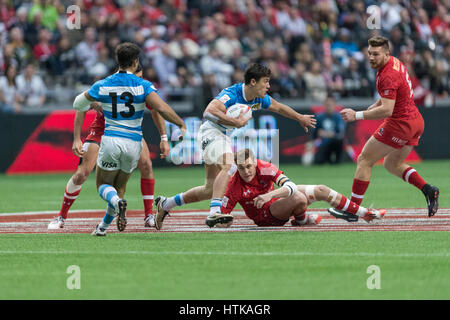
(348, 205)
(68, 200)
(411, 176)
(148, 190)
(358, 190)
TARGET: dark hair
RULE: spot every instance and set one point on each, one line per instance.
(256, 71)
(138, 69)
(126, 54)
(242, 155)
(379, 41)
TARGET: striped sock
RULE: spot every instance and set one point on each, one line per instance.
(68, 200)
(411, 176)
(358, 190)
(148, 190)
(351, 207)
(215, 205)
(109, 194)
(170, 203)
(108, 218)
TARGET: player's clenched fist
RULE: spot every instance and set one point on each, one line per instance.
(348, 115)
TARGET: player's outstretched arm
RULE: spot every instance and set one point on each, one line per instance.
(216, 112)
(305, 120)
(380, 112)
(161, 126)
(155, 101)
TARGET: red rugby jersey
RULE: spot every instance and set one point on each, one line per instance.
(393, 82)
(239, 191)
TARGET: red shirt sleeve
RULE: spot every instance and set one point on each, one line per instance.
(387, 87)
(230, 198)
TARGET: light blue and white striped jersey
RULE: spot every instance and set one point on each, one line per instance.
(123, 101)
(235, 94)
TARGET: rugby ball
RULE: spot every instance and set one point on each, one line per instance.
(235, 110)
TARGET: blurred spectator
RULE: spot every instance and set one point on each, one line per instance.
(64, 58)
(166, 68)
(315, 82)
(9, 102)
(355, 81)
(22, 51)
(298, 81)
(87, 50)
(331, 73)
(390, 14)
(44, 49)
(422, 27)
(31, 88)
(344, 48)
(212, 64)
(49, 13)
(329, 134)
(7, 13)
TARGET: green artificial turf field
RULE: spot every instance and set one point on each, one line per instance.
(238, 265)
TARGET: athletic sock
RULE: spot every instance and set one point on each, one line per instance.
(172, 202)
(147, 190)
(215, 205)
(301, 218)
(71, 193)
(108, 218)
(358, 190)
(411, 176)
(351, 207)
(68, 200)
(109, 194)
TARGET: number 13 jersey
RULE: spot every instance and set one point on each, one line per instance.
(123, 101)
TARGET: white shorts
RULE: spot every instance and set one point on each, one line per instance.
(214, 144)
(119, 154)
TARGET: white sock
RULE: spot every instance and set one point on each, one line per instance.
(170, 203)
(72, 187)
(215, 205)
(361, 211)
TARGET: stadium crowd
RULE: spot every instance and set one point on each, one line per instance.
(313, 47)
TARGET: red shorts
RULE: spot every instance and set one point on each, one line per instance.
(263, 218)
(399, 133)
(95, 135)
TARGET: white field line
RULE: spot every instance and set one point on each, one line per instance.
(221, 253)
(390, 211)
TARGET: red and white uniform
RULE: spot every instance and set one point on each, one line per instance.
(97, 128)
(239, 191)
(405, 125)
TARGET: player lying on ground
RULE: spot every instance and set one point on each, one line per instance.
(397, 135)
(253, 188)
(124, 97)
(216, 143)
(89, 157)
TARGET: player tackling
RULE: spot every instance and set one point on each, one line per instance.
(216, 144)
(253, 188)
(397, 135)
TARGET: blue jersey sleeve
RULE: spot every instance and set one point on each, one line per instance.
(148, 87)
(227, 97)
(266, 102)
(94, 91)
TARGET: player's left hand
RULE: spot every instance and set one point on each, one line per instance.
(165, 149)
(260, 200)
(348, 115)
(308, 120)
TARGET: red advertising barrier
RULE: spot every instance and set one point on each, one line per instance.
(49, 148)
